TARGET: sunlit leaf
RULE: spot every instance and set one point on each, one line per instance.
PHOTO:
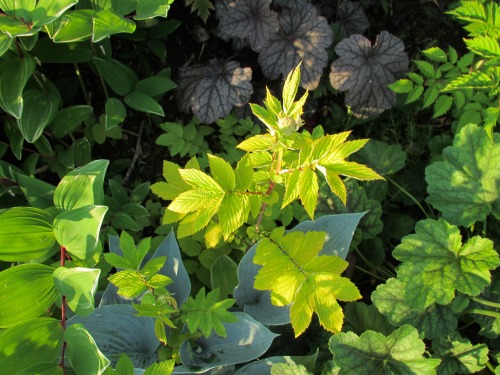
(78, 285)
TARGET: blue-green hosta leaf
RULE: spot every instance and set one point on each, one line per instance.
(464, 187)
(351, 17)
(212, 90)
(339, 231)
(30, 343)
(26, 233)
(250, 20)
(82, 186)
(399, 353)
(458, 355)
(26, 292)
(246, 340)
(78, 285)
(364, 71)
(14, 73)
(82, 351)
(434, 321)
(116, 330)
(436, 264)
(303, 36)
(78, 229)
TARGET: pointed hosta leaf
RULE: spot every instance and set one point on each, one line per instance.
(364, 71)
(351, 17)
(39, 110)
(84, 355)
(78, 285)
(382, 157)
(78, 230)
(14, 73)
(222, 172)
(458, 355)
(401, 352)
(434, 321)
(436, 264)
(26, 292)
(30, 343)
(82, 186)
(246, 340)
(303, 36)
(212, 90)
(26, 233)
(251, 20)
(464, 187)
(116, 329)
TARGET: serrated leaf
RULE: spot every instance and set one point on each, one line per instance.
(442, 105)
(303, 37)
(364, 71)
(252, 20)
(260, 142)
(430, 96)
(472, 167)
(233, 212)
(308, 190)
(400, 352)
(484, 46)
(401, 86)
(212, 90)
(222, 172)
(414, 94)
(382, 157)
(435, 54)
(351, 18)
(201, 7)
(426, 68)
(436, 264)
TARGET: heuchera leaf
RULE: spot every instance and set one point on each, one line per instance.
(351, 18)
(373, 353)
(464, 187)
(252, 20)
(436, 264)
(303, 36)
(364, 71)
(212, 90)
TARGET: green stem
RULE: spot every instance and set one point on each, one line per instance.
(82, 85)
(486, 302)
(270, 189)
(493, 314)
(63, 313)
(370, 273)
(490, 367)
(403, 190)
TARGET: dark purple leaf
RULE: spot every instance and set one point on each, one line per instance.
(212, 90)
(303, 36)
(291, 4)
(364, 71)
(351, 18)
(251, 20)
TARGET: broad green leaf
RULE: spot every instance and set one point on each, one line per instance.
(288, 369)
(107, 22)
(69, 118)
(25, 234)
(464, 187)
(40, 109)
(206, 313)
(124, 366)
(143, 103)
(436, 264)
(48, 11)
(152, 8)
(308, 190)
(223, 275)
(26, 292)
(14, 73)
(30, 343)
(82, 186)
(13, 27)
(243, 173)
(118, 76)
(82, 351)
(78, 285)
(154, 86)
(47, 51)
(402, 352)
(43, 368)
(38, 193)
(115, 113)
(161, 368)
(78, 229)
(222, 172)
(76, 25)
(260, 142)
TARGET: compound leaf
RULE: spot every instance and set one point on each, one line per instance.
(351, 18)
(252, 20)
(464, 187)
(364, 71)
(401, 352)
(435, 264)
(212, 90)
(303, 36)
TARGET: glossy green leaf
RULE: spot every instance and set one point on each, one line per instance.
(107, 22)
(465, 186)
(14, 73)
(40, 108)
(25, 233)
(5, 43)
(82, 351)
(78, 285)
(78, 229)
(38, 193)
(401, 352)
(47, 11)
(76, 26)
(118, 76)
(69, 118)
(152, 8)
(30, 343)
(115, 113)
(223, 275)
(154, 86)
(26, 292)
(44, 368)
(82, 186)
(143, 103)
(14, 27)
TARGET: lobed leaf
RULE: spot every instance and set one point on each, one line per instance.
(351, 17)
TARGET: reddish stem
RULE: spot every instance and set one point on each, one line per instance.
(64, 255)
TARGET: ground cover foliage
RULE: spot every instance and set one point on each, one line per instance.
(249, 187)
